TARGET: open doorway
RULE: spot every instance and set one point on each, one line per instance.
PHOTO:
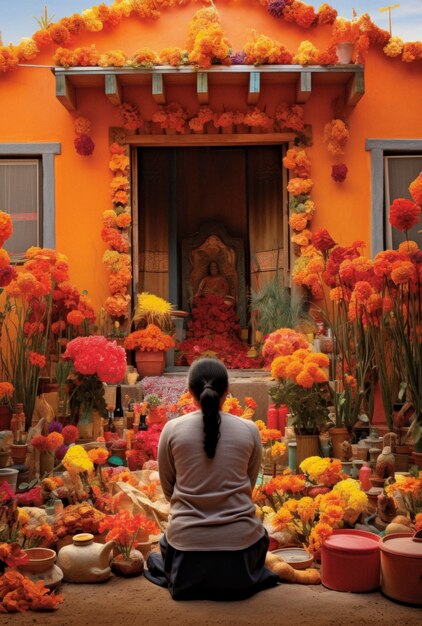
(182, 188)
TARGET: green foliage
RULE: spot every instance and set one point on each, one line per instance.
(275, 307)
(308, 406)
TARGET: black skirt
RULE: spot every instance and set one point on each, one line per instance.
(211, 575)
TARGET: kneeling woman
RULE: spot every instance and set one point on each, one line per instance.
(215, 545)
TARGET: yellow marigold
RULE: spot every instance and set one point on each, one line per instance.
(303, 238)
(306, 508)
(109, 218)
(278, 449)
(123, 220)
(76, 460)
(114, 58)
(300, 186)
(91, 20)
(23, 517)
(27, 49)
(306, 54)
(298, 221)
(394, 47)
(281, 519)
(315, 265)
(119, 163)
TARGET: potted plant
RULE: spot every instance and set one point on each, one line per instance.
(150, 345)
(302, 384)
(95, 361)
(129, 533)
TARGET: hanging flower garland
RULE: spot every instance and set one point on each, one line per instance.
(206, 43)
(116, 223)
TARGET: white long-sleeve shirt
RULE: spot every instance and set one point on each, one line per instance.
(210, 499)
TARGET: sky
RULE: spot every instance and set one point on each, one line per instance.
(17, 17)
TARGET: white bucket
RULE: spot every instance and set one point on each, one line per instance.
(10, 475)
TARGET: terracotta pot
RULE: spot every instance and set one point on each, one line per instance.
(41, 566)
(307, 445)
(338, 435)
(18, 453)
(401, 567)
(150, 363)
(417, 459)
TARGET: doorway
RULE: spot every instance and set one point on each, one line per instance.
(181, 188)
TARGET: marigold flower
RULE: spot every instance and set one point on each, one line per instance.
(75, 318)
(404, 214)
(339, 172)
(6, 227)
(415, 189)
(54, 441)
(37, 359)
(84, 145)
(300, 186)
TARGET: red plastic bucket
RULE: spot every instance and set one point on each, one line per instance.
(350, 561)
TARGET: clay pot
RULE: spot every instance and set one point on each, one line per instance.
(401, 567)
(307, 445)
(18, 453)
(41, 566)
(344, 52)
(4, 458)
(150, 363)
(86, 561)
(133, 566)
(338, 435)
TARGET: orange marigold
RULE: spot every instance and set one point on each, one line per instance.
(6, 227)
(415, 189)
(404, 214)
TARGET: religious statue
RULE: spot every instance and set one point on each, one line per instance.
(214, 283)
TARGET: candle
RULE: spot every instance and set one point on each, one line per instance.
(272, 417)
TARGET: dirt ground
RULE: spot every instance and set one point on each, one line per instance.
(137, 602)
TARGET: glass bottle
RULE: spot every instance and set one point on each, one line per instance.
(118, 411)
(143, 422)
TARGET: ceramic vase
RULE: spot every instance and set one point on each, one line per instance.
(307, 445)
(344, 52)
(338, 435)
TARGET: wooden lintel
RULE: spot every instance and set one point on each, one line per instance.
(202, 87)
(303, 87)
(355, 88)
(65, 92)
(254, 87)
(158, 88)
(113, 89)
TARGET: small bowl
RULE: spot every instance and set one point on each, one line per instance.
(298, 558)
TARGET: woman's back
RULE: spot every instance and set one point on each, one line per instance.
(211, 506)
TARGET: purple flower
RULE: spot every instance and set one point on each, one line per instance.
(61, 451)
(238, 58)
(276, 7)
(55, 427)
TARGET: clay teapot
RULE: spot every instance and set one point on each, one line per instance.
(85, 561)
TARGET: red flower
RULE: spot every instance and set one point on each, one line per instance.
(404, 214)
(84, 145)
(339, 172)
(322, 240)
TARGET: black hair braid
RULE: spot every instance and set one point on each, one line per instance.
(208, 381)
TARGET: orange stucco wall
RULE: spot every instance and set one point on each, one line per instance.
(390, 108)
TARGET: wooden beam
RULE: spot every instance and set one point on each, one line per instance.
(65, 92)
(303, 87)
(113, 89)
(202, 87)
(210, 140)
(254, 87)
(355, 88)
(158, 88)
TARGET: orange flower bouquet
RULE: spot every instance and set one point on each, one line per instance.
(302, 384)
(149, 339)
(128, 530)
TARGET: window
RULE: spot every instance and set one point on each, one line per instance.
(20, 197)
(27, 194)
(400, 171)
(394, 164)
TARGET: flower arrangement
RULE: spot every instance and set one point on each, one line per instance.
(282, 342)
(149, 339)
(95, 361)
(129, 116)
(301, 384)
(19, 593)
(274, 449)
(6, 393)
(322, 471)
(262, 50)
(206, 43)
(128, 530)
(290, 117)
(256, 118)
(151, 309)
(171, 118)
